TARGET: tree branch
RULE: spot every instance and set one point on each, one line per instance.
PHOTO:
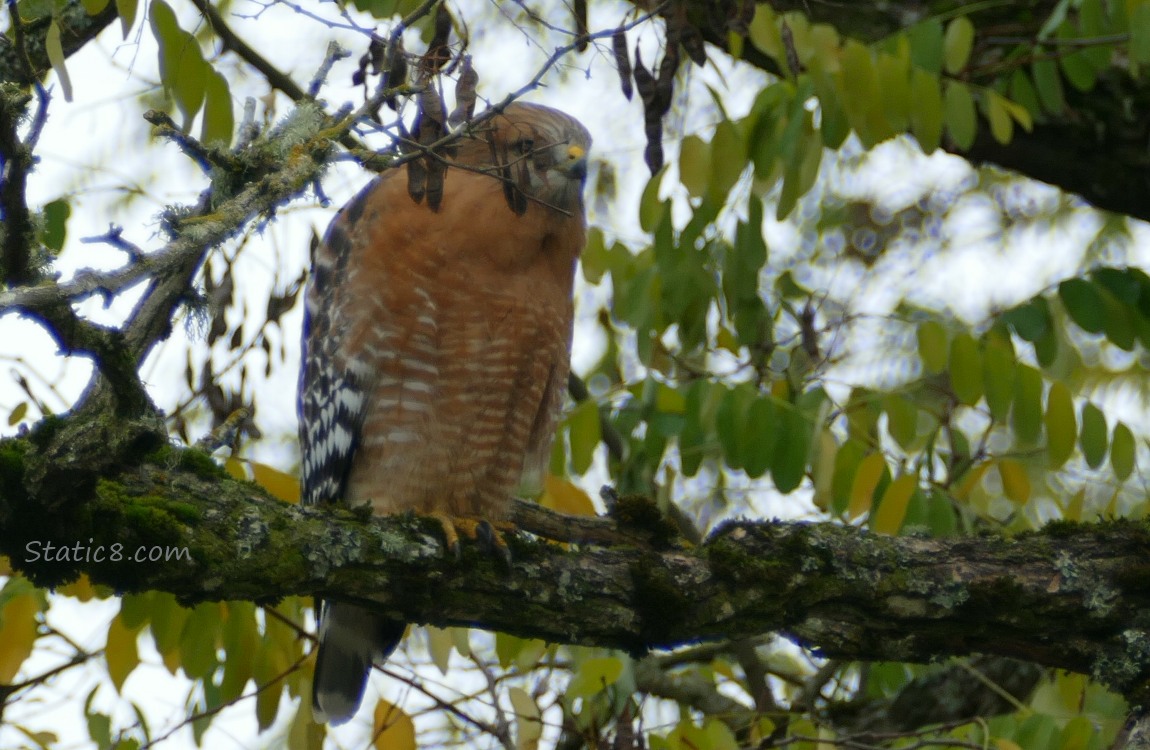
(1094, 148)
(1072, 596)
(77, 28)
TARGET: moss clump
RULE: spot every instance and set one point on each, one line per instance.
(1061, 529)
(192, 460)
(12, 453)
(642, 513)
(45, 431)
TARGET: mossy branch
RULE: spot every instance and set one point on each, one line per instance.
(1071, 596)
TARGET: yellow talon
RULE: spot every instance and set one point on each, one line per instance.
(479, 529)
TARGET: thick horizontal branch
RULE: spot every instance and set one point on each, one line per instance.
(1072, 596)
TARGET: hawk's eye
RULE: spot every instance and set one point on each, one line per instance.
(524, 145)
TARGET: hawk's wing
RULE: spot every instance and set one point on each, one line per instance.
(332, 402)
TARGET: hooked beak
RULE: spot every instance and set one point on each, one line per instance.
(576, 165)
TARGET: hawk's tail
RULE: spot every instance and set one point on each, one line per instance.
(351, 638)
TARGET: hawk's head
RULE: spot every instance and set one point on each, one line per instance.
(538, 152)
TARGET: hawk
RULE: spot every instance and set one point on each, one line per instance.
(436, 347)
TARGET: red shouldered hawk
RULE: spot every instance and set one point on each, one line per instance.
(436, 348)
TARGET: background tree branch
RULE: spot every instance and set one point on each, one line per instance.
(1095, 147)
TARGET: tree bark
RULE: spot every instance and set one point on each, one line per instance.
(1073, 596)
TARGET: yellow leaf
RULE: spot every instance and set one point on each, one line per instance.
(1004, 744)
(439, 647)
(280, 484)
(561, 495)
(304, 733)
(55, 51)
(237, 469)
(528, 721)
(969, 482)
(866, 480)
(1074, 508)
(269, 666)
(892, 510)
(461, 639)
(17, 633)
(1015, 483)
(120, 652)
(17, 413)
(823, 470)
(595, 675)
(81, 588)
(392, 728)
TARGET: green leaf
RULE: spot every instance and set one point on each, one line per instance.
(932, 346)
(765, 34)
(127, 11)
(1022, 91)
(893, 73)
(730, 423)
(800, 174)
(1122, 451)
(1030, 320)
(93, 7)
(55, 52)
(959, 107)
(1076, 65)
(965, 369)
(863, 98)
(1026, 417)
(901, 420)
(957, 43)
(1061, 427)
(1001, 126)
(792, 449)
(1084, 304)
(695, 165)
(198, 641)
(847, 461)
(1049, 85)
(926, 109)
(595, 258)
(1140, 34)
(585, 435)
(728, 152)
(998, 377)
(926, 48)
(56, 216)
(760, 436)
(651, 209)
(182, 67)
(594, 675)
(219, 120)
(1093, 439)
(1093, 22)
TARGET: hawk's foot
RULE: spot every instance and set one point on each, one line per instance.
(484, 532)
